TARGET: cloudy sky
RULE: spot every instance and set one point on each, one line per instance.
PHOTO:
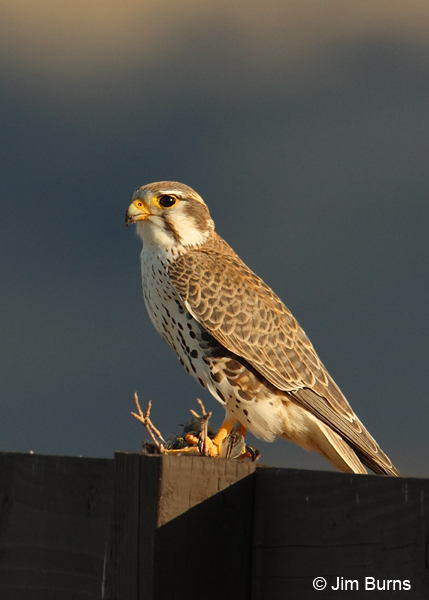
(305, 127)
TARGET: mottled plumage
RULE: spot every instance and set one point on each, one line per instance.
(236, 337)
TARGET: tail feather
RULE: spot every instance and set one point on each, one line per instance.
(337, 452)
(307, 430)
(350, 431)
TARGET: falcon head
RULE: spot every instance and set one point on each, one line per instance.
(169, 214)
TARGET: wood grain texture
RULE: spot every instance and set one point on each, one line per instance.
(171, 516)
(159, 527)
(204, 529)
(54, 517)
(123, 565)
(311, 524)
(149, 490)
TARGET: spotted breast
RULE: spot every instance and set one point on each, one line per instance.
(237, 338)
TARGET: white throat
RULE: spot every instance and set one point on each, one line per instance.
(153, 234)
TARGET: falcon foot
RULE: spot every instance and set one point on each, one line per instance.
(197, 438)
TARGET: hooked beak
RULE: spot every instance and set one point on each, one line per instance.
(136, 211)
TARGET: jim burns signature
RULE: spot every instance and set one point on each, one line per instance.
(371, 584)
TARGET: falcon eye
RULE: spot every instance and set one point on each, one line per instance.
(167, 201)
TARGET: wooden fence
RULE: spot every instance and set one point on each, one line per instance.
(166, 527)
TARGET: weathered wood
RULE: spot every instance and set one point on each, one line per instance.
(158, 527)
(150, 483)
(203, 538)
(183, 519)
(54, 516)
(123, 565)
(316, 524)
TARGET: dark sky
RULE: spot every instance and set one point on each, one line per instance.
(306, 132)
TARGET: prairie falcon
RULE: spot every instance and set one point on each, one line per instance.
(236, 337)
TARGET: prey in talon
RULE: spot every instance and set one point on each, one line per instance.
(195, 438)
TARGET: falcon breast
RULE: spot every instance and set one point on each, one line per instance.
(236, 337)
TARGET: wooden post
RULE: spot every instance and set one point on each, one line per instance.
(311, 524)
(123, 564)
(194, 529)
(54, 526)
(161, 527)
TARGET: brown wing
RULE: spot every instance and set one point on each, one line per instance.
(244, 315)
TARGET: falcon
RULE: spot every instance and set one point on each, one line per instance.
(235, 336)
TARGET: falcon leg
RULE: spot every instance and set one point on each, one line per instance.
(233, 439)
(213, 447)
(242, 429)
(228, 442)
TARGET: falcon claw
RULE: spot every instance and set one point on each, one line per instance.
(252, 453)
